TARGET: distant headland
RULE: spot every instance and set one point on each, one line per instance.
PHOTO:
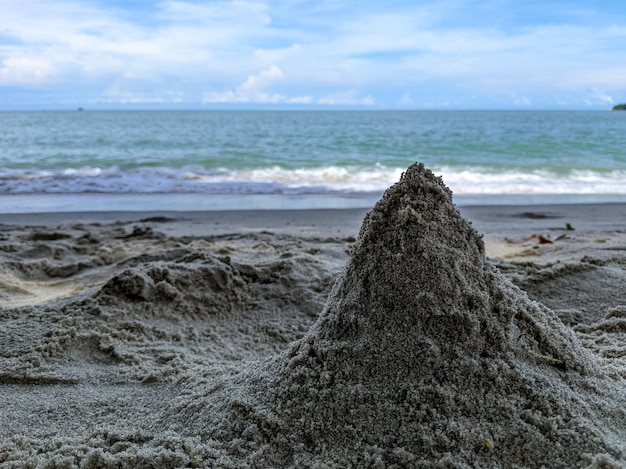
(619, 107)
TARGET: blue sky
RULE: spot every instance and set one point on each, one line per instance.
(300, 54)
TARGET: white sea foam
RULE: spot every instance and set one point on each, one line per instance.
(320, 180)
(476, 182)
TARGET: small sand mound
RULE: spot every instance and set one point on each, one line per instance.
(197, 285)
(206, 280)
(425, 356)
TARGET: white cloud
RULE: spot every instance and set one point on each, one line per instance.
(253, 90)
(178, 39)
(520, 100)
(254, 85)
(346, 98)
(600, 96)
(24, 71)
(300, 100)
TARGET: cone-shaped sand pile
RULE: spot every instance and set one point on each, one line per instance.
(424, 356)
(418, 293)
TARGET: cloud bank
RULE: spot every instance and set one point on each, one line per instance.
(439, 54)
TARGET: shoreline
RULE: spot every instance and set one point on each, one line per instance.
(186, 202)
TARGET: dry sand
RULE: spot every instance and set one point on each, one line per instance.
(208, 339)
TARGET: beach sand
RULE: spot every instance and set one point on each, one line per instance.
(206, 339)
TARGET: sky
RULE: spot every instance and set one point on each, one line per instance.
(312, 54)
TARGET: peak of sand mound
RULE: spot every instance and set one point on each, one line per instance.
(418, 286)
(418, 297)
(425, 356)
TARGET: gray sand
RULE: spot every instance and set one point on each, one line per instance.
(176, 351)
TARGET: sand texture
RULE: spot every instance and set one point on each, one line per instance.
(286, 340)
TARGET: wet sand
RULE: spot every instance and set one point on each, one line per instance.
(110, 320)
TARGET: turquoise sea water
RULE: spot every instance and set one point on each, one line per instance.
(139, 160)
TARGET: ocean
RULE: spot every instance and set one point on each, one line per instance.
(216, 160)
